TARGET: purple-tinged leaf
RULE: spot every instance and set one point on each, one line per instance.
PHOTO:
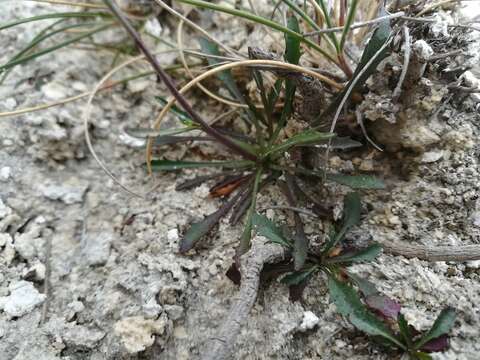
(441, 326)
(435, 345)
(383, 305)
(198, 230)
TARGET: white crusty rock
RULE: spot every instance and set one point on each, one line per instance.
(97, 248)
(5, 173)
(310, 320)
(137, 333)
(69, 192)
(22, 299)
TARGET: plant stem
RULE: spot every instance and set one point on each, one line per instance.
(247, 232)
(171, 87)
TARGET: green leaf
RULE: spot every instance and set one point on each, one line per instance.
(292, 44)
(297, 277)
(351, 208)
(357, 181)
(328, 20)
(143, 133)
(62, 15)
(225, 76)
(348, 304)
(180, 114)
(198, 230)
(346, 28)
(441, 326)
(259, 20)
(366, 287)
(50, 49)
(307, 137)
(172, 165)
(422, 356)
(267, 228)
(404, 330)
(368, 254)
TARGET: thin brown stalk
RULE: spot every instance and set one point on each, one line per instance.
(433, 253)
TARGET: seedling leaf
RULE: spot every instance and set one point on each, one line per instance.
(267, 228)
(435, 345)
(383, 305)
(292, 44)
(297, 277)
(308, 137)
(441, 326)
(349, 305)
(172, 165)
(367, 254)
(225, 76)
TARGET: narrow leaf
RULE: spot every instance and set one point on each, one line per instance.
(61, 15)
(349, 305)
(172, 165)
(292, 44)
(307, 137)
(366, 287)
(143, 133)
(180, 114)
(435, 345)
(350, 18)
(225, 76)
(357, 181)
(422, 356)
(404, 329)
(367, 254)
(198, 230)
(441, 326)
(267, 228)
(297, 277)
(383, 305)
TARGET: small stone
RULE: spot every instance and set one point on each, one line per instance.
(5, 173)
(4, 239)
(25, 245)
(54, 91)
(153, 27)
(97, 248)
(474, 264)
(137, 333)
(431, 156)
(131, 141)
(172, 235)
(36, 272)
(73, 308)
(174, 312)
(152, 309)
(70, 192)
(82, 336)
(23, 299)
(4, 210)
(10, 104)
(310, 320)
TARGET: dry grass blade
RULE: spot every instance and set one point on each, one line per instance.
(71, 3)
(406, 60)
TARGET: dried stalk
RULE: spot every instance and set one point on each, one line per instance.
(252, 263)
(433, 253)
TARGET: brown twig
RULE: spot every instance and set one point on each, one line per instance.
(252, 262)
(433, 253)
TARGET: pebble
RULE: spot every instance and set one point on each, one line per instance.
(137, 333)
(97, 249)
(23, 298)
(70, 192)
(431, 156)
(5, 173)
(310, 320)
